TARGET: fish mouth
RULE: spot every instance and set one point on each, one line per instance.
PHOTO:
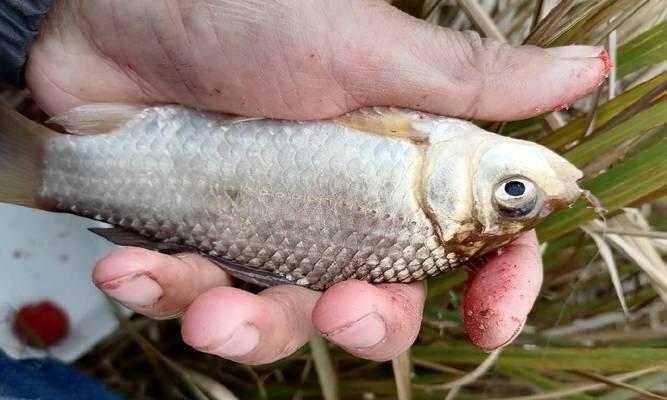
(571, 193)
(566, 198)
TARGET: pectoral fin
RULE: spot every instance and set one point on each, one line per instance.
(123, 237)
(250, 274)
(384, 121)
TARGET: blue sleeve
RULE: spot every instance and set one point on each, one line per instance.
(19, 21)
(48, 379)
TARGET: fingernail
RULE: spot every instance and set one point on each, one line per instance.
(576, 51)
(242, 341)
(134, 291)
(501, 339)
(518, 327)
(365, 332)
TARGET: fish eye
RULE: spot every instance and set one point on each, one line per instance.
(515, 188)
(515, 197)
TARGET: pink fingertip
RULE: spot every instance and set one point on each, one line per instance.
(500, 295)
(585, 69)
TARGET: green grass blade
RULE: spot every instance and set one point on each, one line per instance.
(647, 382)
(539, 381)
(569, 32)
(550, 358)
(592, 21)
(652, 117)
(625, 183)
(599, 22)
(544, 29)
(646, 49)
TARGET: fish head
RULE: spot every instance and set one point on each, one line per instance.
(516, 184)
(482, 189)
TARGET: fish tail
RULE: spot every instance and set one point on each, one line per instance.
(22, 148)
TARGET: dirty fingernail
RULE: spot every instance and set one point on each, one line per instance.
(134, 291)
(489, 338)
(242, 341)
(362, 333)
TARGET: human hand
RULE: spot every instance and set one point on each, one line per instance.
(299, 60)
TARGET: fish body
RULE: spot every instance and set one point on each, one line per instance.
(381, 195)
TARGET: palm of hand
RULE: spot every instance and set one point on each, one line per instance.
(301, 60)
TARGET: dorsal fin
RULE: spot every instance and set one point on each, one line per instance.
(96, 118)
(385, 121)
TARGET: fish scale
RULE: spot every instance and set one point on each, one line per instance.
(380, 194)
(247, 193)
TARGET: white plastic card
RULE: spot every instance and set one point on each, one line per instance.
(50, 256)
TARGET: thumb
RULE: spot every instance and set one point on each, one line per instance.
(417, 65)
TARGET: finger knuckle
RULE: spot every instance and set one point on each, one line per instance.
(481, 60)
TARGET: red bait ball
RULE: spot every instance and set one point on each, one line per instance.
(41, 324)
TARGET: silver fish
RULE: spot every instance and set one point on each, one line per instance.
(380, 194)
